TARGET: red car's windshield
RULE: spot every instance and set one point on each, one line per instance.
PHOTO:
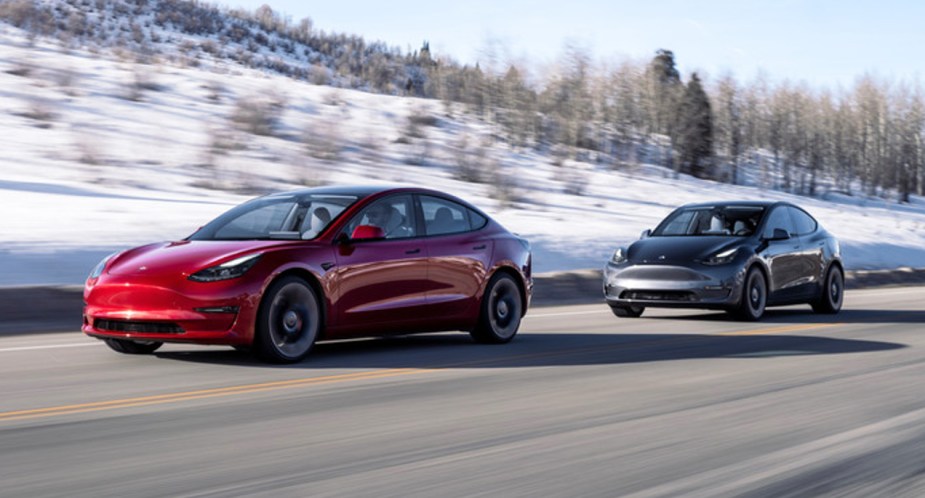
(280, 216)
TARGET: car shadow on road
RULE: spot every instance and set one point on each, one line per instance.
(437, 351)
(800, 315)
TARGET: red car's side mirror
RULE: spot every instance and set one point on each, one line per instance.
(367, 232)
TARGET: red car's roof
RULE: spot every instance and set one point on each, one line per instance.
(357, 190)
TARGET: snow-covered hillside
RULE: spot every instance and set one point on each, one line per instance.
(101, 154)
(208, 34)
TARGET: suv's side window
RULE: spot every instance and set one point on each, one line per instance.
(779, 218)
(394, 215)
(803, 223)
(444, 217)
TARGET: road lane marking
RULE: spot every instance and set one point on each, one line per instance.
(204, 393)
(780, 330)
(357, 376)
(568, 313)
(49, 346)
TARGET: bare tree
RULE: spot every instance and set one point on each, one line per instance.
(729, 123)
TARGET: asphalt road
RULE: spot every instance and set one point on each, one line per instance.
(677, 403)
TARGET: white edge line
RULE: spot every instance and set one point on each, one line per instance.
(50, 346)
(567, 313)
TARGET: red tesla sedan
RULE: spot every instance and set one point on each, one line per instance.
(279, 272)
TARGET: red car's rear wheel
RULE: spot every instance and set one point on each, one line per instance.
(502, 309)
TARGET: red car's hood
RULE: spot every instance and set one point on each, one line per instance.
(184, 257)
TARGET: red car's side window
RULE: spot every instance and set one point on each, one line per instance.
(394, 215)
(444, 217)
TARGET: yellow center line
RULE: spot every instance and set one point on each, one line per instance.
(205, 393)
(356, 376)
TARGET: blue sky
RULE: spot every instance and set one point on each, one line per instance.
(824, 42)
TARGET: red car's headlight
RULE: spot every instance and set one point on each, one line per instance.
(98, 269)
(228, 270)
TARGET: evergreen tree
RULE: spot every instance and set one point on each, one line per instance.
(694, 140)
(666, 88)
(424, 57)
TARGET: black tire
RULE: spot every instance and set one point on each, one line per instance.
(289, 321)
(833, 292)
(501, 311)
(754, 296)
(126, 346)
(628, 311)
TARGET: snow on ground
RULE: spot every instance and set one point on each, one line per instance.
(91, 164)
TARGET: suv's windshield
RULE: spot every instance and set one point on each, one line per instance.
(711, 220)
(279, 216)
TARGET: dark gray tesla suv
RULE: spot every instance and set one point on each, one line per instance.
(735, 256)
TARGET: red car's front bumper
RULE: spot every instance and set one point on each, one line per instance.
(191, 312)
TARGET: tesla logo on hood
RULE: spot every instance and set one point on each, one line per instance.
(142, 268)
(661, 258)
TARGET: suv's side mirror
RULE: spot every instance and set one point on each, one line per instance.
(779, 234)
(645, 234)
(367, 232)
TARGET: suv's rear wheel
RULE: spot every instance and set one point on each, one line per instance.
(833, 292)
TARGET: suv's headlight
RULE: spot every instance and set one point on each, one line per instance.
(722, 258)
(231, 269)
(98, 269)
(619, 256)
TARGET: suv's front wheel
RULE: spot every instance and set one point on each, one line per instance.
(754, 296)
(628, 311)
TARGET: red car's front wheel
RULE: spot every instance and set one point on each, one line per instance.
(288, 322)
(127, 346)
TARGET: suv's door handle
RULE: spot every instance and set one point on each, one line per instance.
(479, 247)
(413, 251)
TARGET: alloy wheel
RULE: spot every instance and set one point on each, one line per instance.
(289, 321)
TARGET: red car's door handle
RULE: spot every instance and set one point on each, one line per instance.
(413, 251)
